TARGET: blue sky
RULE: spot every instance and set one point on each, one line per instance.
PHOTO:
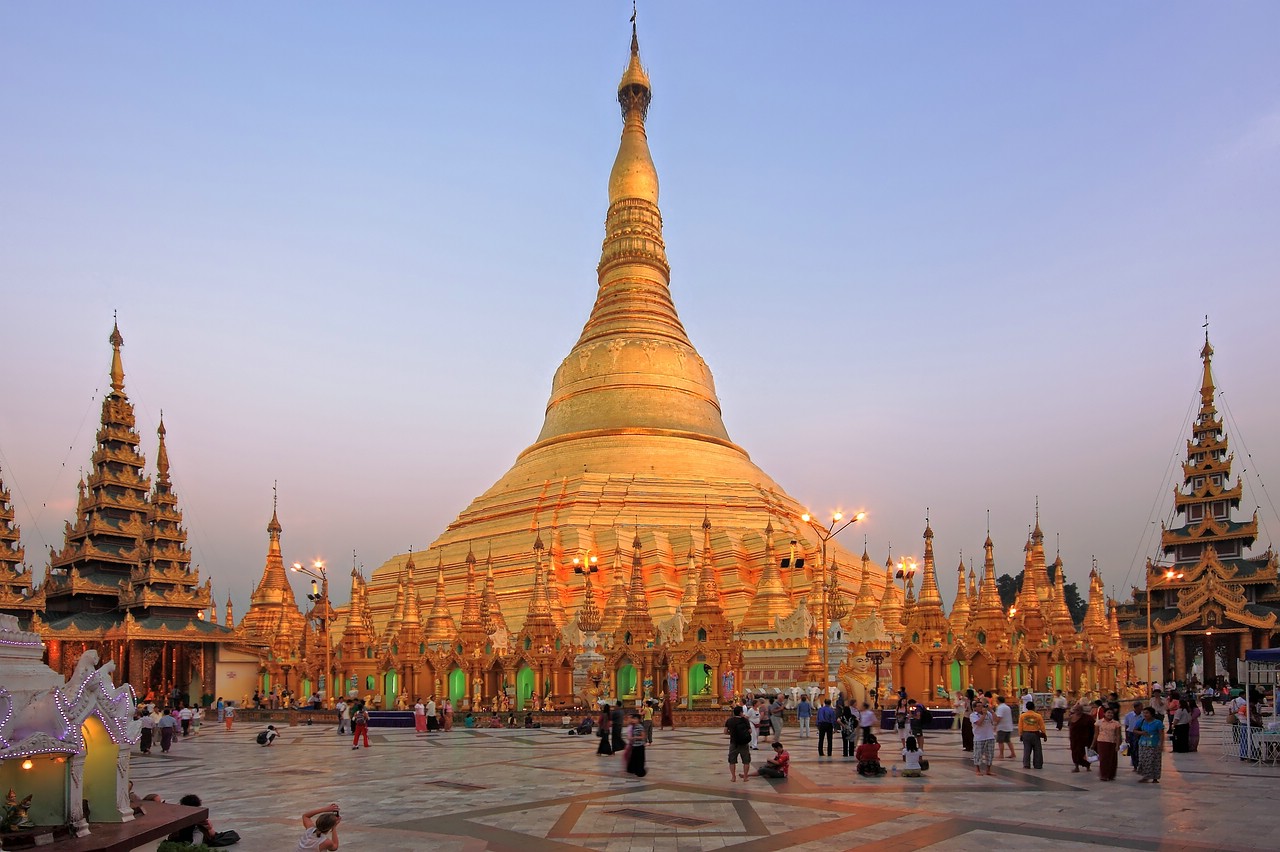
(942, 255)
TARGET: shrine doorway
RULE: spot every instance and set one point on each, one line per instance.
(626, 681)
(457, 685)
(100, 777)
(526, 682)
(699, 679)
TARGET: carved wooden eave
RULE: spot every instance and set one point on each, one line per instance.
(1209, 528)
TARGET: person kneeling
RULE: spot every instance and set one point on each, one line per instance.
(778, 765)
(868, 756)
(914, 756)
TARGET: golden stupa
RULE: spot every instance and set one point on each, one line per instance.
(633, 444)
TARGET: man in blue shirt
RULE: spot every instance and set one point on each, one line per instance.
(804, 711)
(826, 726)
(1132, 731)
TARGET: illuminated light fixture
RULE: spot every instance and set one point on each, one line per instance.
(27, 764)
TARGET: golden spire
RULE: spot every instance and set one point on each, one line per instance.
(633, 370)
(117, 365)
(474, 611)
(492, 616)
(770, 600)
(616, 605)
(929, 595)
(1095, 619)
(927, 616)
(709, 615)
(231, 621)
(412, 605)
(891, 603)
(440, 626)
(960, 609)
(989, 617)
(1206, 382)
(866, 605)
(1060, 620)
(162, 455)
(689, 597)
(554, 598)
(273, 589)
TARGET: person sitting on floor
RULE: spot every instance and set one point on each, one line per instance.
(914, 756)
(584, 727)
(868, 756)
(777, 766)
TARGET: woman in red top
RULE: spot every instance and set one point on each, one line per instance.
(868, 757)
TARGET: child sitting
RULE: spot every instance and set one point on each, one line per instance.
(868, 757)
(914, 756)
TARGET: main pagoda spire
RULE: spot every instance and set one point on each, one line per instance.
(634, 369)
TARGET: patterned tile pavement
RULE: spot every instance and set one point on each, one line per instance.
(530, 791)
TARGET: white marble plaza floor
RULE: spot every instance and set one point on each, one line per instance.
(528, 791)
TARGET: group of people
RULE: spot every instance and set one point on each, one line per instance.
(624, 734)
(166, 724)
(430, 717)
(742, 733)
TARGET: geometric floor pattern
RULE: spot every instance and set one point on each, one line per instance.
(530, 791)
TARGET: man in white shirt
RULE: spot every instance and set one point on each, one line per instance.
(984, 737)
(866, 721)
(1004, 728)
(433, 724)
(184, 716)
(1029, 698)
(753, 716)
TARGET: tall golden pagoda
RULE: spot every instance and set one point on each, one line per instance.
(632, 431)
(273, 619)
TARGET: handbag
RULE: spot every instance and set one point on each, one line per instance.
(924, 764)
(1090, 755)
(1124, 747)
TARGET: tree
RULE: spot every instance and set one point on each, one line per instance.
(1076, 605)
(1008, 587)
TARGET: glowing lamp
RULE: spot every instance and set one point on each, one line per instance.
(27, 764)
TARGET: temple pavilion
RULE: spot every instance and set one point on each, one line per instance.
(122, 584)
(634, 524)
(1210, 598)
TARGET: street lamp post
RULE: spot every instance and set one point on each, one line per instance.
(1169, 575)
(877, 657)
(320, 600)
(838, 524)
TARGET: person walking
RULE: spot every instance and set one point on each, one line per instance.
(1004, 728)
(966, 726)
(804, 712)
(606, 721)
(344, 716)
(1193, 729)
(646, 719)
(1059, 710)
(635, 747)
(1031, 731)
(148, 723)
(617, 728)
(752, 714)
(1132, 724)
(222, 706)
(168, 726)
(184, 719)
(738, 730)
(1080, 736)
(229, 714)
(1181, 730)
(866, 721)
(776, 718)
(419, 717)
(1151, 751)
(826, 726)
(1107, 736)
(433, 715)
(902, 717)
(360, 725)
(446, 715)
(984, 737)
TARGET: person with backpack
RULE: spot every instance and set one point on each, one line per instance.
(267, 737)
(360, 724)
(738, 729)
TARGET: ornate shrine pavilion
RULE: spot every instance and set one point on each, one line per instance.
(1210, 600)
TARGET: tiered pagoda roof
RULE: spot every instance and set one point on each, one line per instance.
(18, 596)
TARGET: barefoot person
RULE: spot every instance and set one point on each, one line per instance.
(984, 737)
(321, 833)
(738, 729)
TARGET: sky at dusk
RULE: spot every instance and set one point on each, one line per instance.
(940, 255)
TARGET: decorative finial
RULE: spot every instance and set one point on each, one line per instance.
(117, 366)
(635, 41)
